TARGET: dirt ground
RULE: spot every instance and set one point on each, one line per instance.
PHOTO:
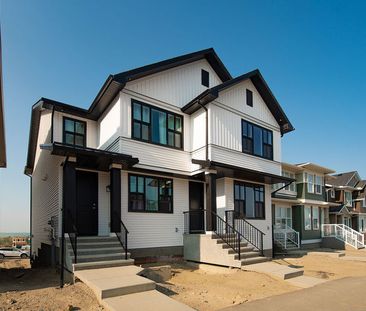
(22, 288)
(324, 267)
(217, 288)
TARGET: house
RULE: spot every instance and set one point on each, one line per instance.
(347, 192)
(173, 158)
(19, 241)
(301, 208)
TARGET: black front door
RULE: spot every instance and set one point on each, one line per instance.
(87, 203)
(196, 207)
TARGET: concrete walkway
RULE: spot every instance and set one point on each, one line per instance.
(341, 295)
(121, 288)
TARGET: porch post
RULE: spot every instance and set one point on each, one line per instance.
(69, 196)
(115, 199)
(210, 201)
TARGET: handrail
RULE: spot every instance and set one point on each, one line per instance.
(122, 236)
(249, 232)
(344, 233)
(221, 228)
(73, 239)
(287, 232)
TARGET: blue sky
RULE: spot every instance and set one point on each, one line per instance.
(312, 54)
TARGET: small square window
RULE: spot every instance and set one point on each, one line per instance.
(249, 98)
(205, 78)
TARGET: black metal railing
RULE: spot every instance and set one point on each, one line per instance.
(122, 236)
(195, 222)
(73, 236)
(249, 232)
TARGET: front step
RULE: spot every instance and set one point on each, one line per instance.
(96, 251)
(253, 260)
(101, 257)
(102, 264)
(246, 255)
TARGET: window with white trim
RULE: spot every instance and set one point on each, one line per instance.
(348, 198)
(310, 181)
(292, 186)
(332, 193)
(311, 218)
(283, 217)
(318, 184)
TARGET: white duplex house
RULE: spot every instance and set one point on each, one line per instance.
(169, 158)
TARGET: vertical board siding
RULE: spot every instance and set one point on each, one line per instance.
(177, 86)
(103, 204)
(109, 125)
(264, 225)
(235, 97)
(156, 229)
(45, 188)
(91, 129)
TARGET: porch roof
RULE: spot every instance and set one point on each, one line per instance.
(91, 158)
(227, 170)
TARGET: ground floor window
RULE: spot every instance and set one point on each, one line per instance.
(150, 194)
(249, 200)
(362, 225)
(283, 217)
(311, 218)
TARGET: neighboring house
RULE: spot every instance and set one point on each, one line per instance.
(174, 147)
(301, 208)
(20, 241)
(347, 192)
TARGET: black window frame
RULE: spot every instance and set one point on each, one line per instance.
(249, 98)
(205, 78)
(74, 133)
(148, 124)
(247, 140)
(256, 188)
(130, 210)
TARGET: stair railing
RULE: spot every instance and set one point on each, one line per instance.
(249, 232)
(220, 227)
(73, 236)
(344, 234)
(285, 233)
(122, 236)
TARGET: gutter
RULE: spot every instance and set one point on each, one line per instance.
(286, 184)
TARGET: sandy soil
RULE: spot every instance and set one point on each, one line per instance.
(22, 288)
(221, 287)
(328, 268)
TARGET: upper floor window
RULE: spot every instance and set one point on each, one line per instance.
(348, 198)
(156, 125)
(249, 98)
(74, 132)
(150, 194)
(314, 183)
(257, 140)
(332, 193)
(249, 200)
(292, 186)
(205, 78)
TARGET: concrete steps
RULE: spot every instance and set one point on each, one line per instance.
(148, 300)
(102, 264)
(253, 260)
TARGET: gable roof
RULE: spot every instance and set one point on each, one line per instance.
(316, 168)
(343, 179)
(261, 85)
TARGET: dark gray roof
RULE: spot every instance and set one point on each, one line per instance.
(261, 85)
(337, 209)
(342, 179)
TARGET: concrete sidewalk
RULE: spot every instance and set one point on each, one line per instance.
(342, 295)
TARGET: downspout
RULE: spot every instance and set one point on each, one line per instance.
(62, 275)
(206, 110)
(52, 115)
(30, 216)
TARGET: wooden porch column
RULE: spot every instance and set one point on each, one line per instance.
(210, 201)
(69, 196)
(115, 199)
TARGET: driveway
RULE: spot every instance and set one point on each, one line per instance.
(343, 294)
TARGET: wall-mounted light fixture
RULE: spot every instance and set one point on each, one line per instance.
(108, 188)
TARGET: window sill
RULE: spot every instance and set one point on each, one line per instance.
(150, 212)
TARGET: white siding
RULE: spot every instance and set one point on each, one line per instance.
(109, 125)
(103, 204)
(235, 98)
(176, 86)
(156, 229)
(264, 225)
(45, 187)
(91, 129)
